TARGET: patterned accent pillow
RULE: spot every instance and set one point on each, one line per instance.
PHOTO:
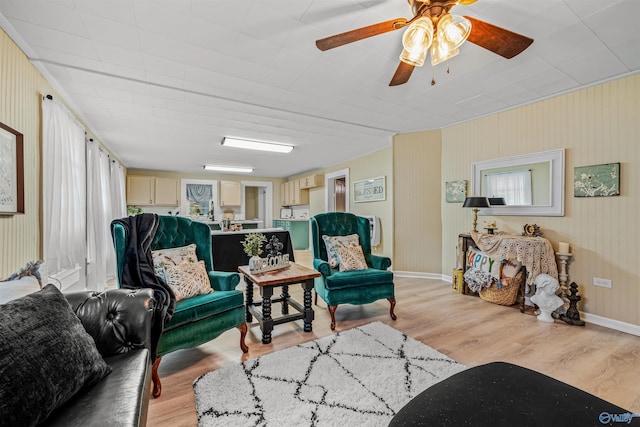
(510, 268)
(352, 258)
(188, 279)
(172, 256)
(480, 260)
(334, 242)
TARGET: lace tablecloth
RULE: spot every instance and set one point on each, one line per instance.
(535, 253)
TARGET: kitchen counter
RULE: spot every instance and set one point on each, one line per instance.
(228, 252)
(246, 223)
(253, 230)
(299, 229)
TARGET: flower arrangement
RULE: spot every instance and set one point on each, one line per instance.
(252, 244)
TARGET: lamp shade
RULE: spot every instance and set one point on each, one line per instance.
(416, 41)
(497, 201)
(476, 202)
(453, 30)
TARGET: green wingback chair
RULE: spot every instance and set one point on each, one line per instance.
(198, 319)
(349, 287)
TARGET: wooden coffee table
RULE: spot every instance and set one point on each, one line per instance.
(296, 273)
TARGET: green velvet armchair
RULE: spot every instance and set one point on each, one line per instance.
(198, 319)
(349, 287)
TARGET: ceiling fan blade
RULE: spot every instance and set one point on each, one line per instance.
(498, 40)
(360, 33)
(403, 72)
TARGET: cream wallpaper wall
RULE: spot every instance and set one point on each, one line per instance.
(378, 163)
(21, 89)
(417, 226)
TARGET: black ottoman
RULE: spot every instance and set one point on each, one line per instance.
(502, 394)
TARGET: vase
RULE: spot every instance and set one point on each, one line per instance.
(255, 262)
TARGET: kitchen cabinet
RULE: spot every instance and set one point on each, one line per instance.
(230, 193)
(284, 193)
(140, 190)
(312, 181)
(152, 191)
(167, 192)
(292, 194)
(298, 230)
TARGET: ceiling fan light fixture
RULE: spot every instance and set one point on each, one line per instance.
(440, 52)
(416, 41)
(453, 30)
(256, 145)
(237, 169)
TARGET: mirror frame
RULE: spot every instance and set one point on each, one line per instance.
(555, 157)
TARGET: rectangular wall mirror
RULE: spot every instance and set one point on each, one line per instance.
(532, 184)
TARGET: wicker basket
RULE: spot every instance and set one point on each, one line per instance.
(505, 295)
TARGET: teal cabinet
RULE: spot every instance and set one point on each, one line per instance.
(298, 230)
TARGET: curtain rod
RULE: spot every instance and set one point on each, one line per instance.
(505, 172)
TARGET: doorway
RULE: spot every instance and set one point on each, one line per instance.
(337, 191)
(258, 202)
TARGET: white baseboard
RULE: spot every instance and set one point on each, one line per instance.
(617, 325)
(419, 275)
(628, 328)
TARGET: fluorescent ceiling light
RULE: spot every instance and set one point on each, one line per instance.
(255, 145)
(228, 169)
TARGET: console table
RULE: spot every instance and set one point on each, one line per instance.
(535, 253)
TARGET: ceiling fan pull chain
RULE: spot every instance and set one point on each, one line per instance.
(433, 76)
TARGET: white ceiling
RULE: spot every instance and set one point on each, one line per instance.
(161, 82)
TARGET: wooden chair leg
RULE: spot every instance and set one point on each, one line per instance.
(315, 299)
(393, 306)
(157, 386)
(243, 333)
(332, 312)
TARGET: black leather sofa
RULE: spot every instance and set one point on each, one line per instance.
(119, 321)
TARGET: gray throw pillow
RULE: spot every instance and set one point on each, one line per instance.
(46, 357)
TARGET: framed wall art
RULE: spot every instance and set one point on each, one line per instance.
(11, 171)
(596, 180)
(370, 190)
(455, 191)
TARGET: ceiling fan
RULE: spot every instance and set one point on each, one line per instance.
(436, 31)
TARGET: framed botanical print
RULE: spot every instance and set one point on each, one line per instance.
(456, 191)
(596, 180)
(11, 171)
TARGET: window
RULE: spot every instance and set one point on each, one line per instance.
(514, 186)
(198, 197)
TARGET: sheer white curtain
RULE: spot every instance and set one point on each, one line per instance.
(63, 189)
(514, 186)
(100, 253)
(118, 195)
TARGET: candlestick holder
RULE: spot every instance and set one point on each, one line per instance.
(572, 316)
(563, 276)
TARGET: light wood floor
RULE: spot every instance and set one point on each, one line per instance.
(598, 360)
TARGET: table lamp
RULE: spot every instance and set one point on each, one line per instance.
(497, 201)
(476, 203)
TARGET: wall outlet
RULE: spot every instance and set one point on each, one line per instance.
(604, 283)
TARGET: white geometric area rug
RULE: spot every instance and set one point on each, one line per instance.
(359, 377)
